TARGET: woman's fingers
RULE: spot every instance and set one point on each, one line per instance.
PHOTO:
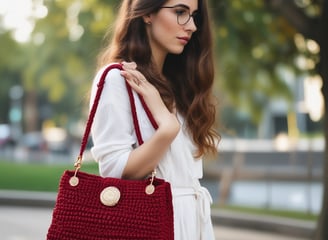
(129, 65)
(135, 78)
(130, 77)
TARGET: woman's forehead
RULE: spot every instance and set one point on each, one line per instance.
(191, 4)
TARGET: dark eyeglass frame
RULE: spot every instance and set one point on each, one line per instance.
(193, 15)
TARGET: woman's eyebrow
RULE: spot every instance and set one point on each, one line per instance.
(184, 6)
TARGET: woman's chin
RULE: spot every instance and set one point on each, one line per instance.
(177, 50)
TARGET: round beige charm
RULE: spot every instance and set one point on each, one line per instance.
(73, 181)
(150, 189)
(110, 196)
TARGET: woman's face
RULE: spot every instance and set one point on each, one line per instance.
(169, 30)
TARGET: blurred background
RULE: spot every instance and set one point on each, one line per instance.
(271, 77)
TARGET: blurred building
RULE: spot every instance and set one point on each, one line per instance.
(301, 117)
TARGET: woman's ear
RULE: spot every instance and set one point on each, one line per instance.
(147, 19)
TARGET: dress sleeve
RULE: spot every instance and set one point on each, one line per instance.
(112, 130)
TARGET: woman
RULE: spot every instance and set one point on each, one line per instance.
(166, 50)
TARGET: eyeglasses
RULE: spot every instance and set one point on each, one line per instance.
(183, 14)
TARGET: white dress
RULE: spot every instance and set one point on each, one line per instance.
(114, 137)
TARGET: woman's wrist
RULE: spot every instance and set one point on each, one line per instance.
(168, 126)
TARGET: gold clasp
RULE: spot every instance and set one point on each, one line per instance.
(150, 189)
(78, 163)
(74, 181)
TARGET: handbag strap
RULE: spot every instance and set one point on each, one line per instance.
(134, 113)
(93, 110)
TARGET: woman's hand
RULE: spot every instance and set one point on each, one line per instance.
(163, 117)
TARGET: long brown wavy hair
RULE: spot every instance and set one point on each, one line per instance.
(187, 78)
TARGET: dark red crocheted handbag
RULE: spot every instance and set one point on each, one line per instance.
(90, 207)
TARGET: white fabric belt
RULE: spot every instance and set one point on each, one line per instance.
(202, 196)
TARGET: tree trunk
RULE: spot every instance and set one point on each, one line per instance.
(322, 230)
(31, 111)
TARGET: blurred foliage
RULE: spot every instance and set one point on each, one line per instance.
(9, 71)
(253, 46)
(57, 65)
(65, 44)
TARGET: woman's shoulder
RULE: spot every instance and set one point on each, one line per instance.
(110, 68)
(114, 87)
(112, 73)
(115, 65)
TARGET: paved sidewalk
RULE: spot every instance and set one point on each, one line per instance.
(31, 223)
(231, 233)
(19, 210)
(299, 229)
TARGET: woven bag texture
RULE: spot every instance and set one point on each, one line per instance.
(79, 214)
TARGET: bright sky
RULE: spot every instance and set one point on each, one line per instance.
(18, 15)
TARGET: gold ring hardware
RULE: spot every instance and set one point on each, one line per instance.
(150, 189)
(74, 181)
(110, 196)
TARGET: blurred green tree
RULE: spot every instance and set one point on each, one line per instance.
(310, 19)
(253, 44)
(9, 71)
(257, 37)
(60, 59)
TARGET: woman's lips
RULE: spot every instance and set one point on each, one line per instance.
(184, 40)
